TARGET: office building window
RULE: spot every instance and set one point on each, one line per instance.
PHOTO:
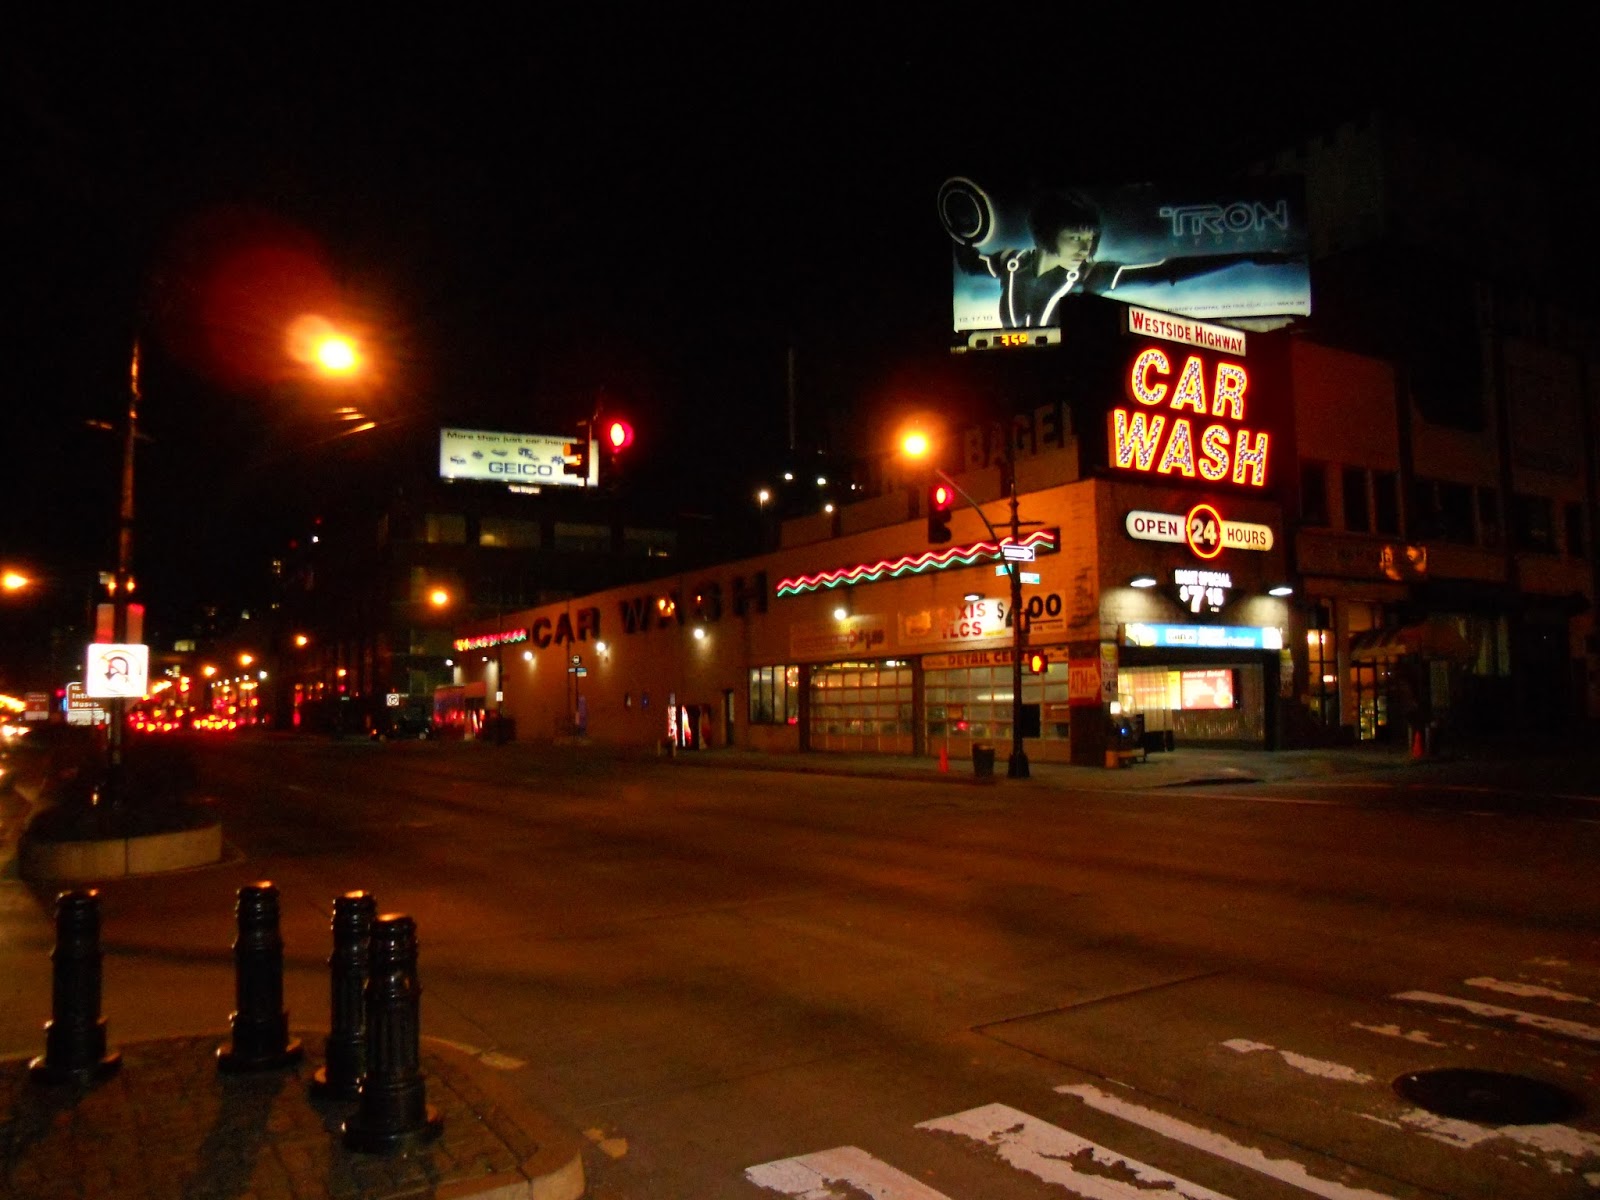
(1455, 514)
(1533, 524)
(1573, 526)
(1314, 493)
(582, 539)
(1490, 529)
(1386, 503)
(1442, 510)
(649, 543)
(1357, 512)
(508, 532)
(445, 529)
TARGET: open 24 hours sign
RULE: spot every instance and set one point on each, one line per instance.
(1203, 529)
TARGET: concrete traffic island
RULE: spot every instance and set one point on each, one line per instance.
(82, 828)
(72, 844)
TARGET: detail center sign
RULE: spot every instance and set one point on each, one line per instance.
(1203, 529)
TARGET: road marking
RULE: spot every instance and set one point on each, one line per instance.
(1394, 1031)
(1056, 1156)
(1282, 1169)
(1525, 990)
(1587, 1033)
(807, 1176)
(1559, 1141)
(1300, 1062)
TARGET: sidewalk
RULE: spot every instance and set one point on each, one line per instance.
(169, 1124)
(1175, 768)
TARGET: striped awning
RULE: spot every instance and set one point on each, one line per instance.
(1437, 638)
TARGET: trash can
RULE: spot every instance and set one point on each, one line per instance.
(983, 761)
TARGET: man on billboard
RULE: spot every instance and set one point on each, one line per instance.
(1244, 257)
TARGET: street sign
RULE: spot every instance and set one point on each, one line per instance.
(81, 708)
(117, 669)
(1012, 552)
(1002, 570)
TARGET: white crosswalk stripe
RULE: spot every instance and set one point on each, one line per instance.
(1284, 1169)
(807, 1177)
(1063, 1158)
(1573, 1029)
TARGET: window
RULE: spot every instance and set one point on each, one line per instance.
(1455, 513)
(1572, 524)
(1489, 527)
(1442, 510)
(1386, 503)
(1533, 524)
(582, 539)
(649, 543)
(1357, 512)
(446, 529)
(774, 695)
(507, 532)
(1313, 493)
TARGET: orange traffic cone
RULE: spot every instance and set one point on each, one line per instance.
(1416, 745)
(944, 759)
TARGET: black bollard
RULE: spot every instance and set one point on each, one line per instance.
(75, 1035)
(346, 1050)
(261, 1038)
(394, 1115)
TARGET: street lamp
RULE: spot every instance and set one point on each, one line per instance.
(918, 445)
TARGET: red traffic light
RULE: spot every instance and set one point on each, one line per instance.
(618, 435)
(940, 498)
(1038, 663)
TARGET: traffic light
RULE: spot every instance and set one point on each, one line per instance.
(577, 459)
(618, 435)
(1038, 663)
(941, 498)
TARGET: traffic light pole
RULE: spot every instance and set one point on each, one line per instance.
(1017, 765)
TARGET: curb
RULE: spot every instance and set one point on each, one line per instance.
(552, 1167)
(115, 858)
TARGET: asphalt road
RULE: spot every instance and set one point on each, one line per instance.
(747, 984)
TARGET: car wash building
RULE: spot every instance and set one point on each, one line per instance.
(1144, 450)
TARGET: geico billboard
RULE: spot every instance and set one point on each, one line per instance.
(1219, 251)
(526, 459)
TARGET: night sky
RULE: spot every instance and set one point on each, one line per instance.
(523, 213)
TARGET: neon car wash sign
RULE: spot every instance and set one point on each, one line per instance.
(1189, 421)
(1203, 529)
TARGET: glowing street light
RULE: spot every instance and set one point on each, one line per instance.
(439, 597)
(14, 581)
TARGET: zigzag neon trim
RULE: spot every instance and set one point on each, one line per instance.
(1044, 541)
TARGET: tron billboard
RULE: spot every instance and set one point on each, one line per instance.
(1222, 251)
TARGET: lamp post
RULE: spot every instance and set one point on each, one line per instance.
(916, 445)
(122, 584)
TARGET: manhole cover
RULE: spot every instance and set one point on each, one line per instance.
(1488, 1097)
